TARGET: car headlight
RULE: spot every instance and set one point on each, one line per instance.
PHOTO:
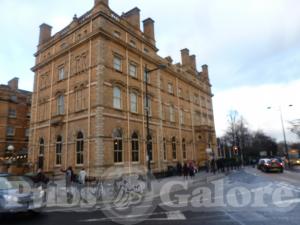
(10, 198)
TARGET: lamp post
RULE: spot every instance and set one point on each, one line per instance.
(284, 136)
(147, 72)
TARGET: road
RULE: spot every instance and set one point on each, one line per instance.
(243, 197)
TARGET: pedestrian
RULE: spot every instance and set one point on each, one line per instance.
(41, 178)
(207, 166)
(213, 166)
(191, 171)
(69, 174)
(179, 169)
(185, 171)
(81, 183)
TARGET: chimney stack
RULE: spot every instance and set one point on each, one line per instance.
(193, 62)
(185, 57)
(45, 33)
(133, 17)
(101, 5)
(205, 70)
(14, 83)
(149, 28)
(97, 2)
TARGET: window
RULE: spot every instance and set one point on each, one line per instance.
(170, 88)
(60, 105)
(118, 147)
(183, 149)
(58, 150)
(180, 92)
(41, 147)
(14, 98)
(132, 43)
(12, 113)
(174, 148)
(117, 98)
(80, 100)
(132, 70)
(135, 147)
(181, 116)
(133, 102)
(146, 77)
(165, 149)
(172, 114)
(27, 132)
(79, 148)
(61, 73)
(10, 131)
(117, 34)
(117, 63)
(148, 105)
(149, 146)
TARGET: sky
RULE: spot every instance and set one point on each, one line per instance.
(252, 48)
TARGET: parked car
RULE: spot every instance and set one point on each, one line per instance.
(268, 165)
(18, 194)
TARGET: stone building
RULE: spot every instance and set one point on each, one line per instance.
(88, 106)
(14, 127)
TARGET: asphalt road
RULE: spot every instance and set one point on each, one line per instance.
(244, 197)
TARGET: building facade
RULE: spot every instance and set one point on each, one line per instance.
(15, 105)
(88, 106)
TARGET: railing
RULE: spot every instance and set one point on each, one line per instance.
(85, 17)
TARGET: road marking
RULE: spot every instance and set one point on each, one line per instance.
(168, 216)
(175, 215)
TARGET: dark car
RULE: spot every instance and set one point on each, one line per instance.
(17, 194)
(268, 165)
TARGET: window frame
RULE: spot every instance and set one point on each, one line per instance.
(117, 97)
(174, 151)
(118, 147)
(79, 148)
(133, 102)
(135, 157)
(58, 150)
(117, 63)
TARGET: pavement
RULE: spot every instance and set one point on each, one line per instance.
(241, 197)
(57, 194)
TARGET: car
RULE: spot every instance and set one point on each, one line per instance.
(261, 163)
(268, 165)
(18, 194)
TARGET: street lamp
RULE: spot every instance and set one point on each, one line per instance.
(284, 136)
(147, 72)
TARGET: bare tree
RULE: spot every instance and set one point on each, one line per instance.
(295, 127)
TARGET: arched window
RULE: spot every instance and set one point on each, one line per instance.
(183, 149)
(174, 148)
(133, 102)
(135, 147)
(41, 147)
(165, 148)
(58, 150)
(118, 146)
(79, 148)
(150, 148)
(117, 98)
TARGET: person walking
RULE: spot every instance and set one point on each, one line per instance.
(69, 174)
(185, 171)
(41, 179)
(81, 183)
